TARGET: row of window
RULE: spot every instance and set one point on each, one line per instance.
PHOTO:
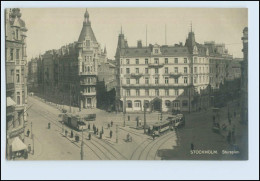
(17, 53)
(88, 68)
(156, 80)
(156, 92)
(166, 70)
(156, 61)
(200, 60)
(167, 103)
(19, 78)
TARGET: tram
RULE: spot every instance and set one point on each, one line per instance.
(74, 121)
(175, 121)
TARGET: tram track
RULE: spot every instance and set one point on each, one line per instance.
(59, 126)
(55, 121)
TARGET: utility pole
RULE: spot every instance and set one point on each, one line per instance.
(144, 118)
(31, 130)
(116, 133)
(82, 151)
(32, 137)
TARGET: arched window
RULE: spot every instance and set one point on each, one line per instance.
(129, 104)
(167, 103)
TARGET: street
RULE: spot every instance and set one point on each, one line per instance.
(53, 144)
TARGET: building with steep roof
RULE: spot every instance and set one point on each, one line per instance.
(16, 76)
(168, 77)
(69, 75)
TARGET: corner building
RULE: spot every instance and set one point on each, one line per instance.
(69, 75)
(16, 76)
(163, 78)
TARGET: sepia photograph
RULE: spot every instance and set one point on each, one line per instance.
(146, 99)
(126, 83)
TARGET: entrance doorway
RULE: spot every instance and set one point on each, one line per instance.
(157, 104)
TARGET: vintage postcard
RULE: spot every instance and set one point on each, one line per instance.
(126, 83)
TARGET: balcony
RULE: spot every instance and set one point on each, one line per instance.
(136, 75)
(87, 83)
(157, 65)
(175, 75)
(88, 93)
(155, 85)
(88, 73)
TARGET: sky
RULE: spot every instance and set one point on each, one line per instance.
(51, 28)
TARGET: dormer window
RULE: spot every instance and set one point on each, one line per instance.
(156, 51)
(87, 43)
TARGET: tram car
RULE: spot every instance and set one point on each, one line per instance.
(176, 121)
(74, 121)
(159, 128)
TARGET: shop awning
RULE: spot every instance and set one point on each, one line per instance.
(18, 145)
(10, 102)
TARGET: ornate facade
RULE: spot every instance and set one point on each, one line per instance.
(69, 75)
(16, 75)
(169, 78)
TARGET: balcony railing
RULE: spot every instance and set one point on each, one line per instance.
(87, 83)
(136, 75)
(155, 65)
(155, 85)
(175, 75)
(88, 93)
(88, 73)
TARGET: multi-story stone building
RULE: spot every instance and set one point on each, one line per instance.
(69, 75)
(167, 78)
(244, 78)
(32, 75)
(16, 75)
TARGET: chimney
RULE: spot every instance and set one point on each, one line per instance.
(139, 44)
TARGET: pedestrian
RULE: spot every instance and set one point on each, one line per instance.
(128, 118)
(100, 135)
(97, 131)
(66, 133)
(111, 133)
(28, 133)
(89, 136)
(49, 125)
(93, 126)
(111, 123)
(192, 146)
(71, 134)
(149, 131)
(88, 126)
(102, 130)
(153, 135)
